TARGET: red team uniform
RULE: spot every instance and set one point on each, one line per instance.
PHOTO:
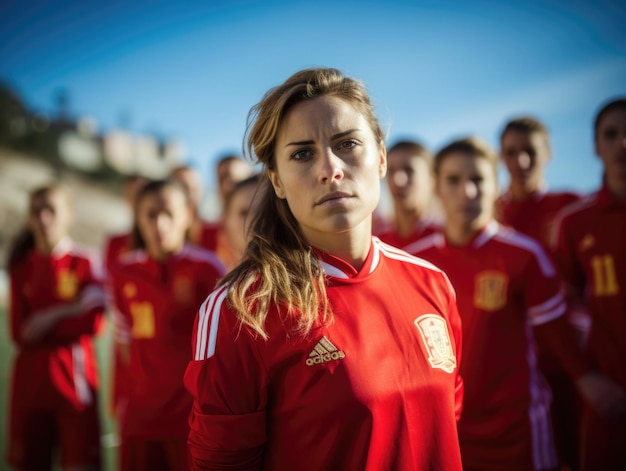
(505, 285)
(157, 303)
(381, 378)
(54, 386)
(533, 216)
(591, 257)
(422, 229)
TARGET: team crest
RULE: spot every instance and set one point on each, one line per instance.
(67, 284)
(490, 290)
(586, 243)
(434, 333)
(129, 290)
(183, 289)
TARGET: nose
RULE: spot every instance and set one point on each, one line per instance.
(524, 160)
(162, 224)
(470, 190)
(331, 167)
(400, 179)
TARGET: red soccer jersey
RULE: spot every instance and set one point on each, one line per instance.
(377, 388)
(533, 216)
(60, 371)
(156, 303)
(591, 257)
(116, 246)
(422, 229)
(208, 235)
(505, 284)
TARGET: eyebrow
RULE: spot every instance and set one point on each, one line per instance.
(333, 137)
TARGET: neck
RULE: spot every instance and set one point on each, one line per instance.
(461, 233)
(520, 191)
(160, 255)
(45, 246)
(617, 187)
(406, 220)
(352, 246)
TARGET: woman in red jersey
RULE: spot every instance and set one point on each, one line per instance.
(324, 349)
(57, 303)
(591, 257)
(236, 215)
(157, 290)
(508, 295)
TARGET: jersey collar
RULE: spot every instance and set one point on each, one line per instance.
(336, 267)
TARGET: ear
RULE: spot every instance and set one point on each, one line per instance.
(382, 168)
(277, 184)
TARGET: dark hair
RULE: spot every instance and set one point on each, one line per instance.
(471, 145)
(414, 147)
(151, 187)
(606, 108)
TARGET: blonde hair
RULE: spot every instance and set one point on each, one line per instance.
(279, 267)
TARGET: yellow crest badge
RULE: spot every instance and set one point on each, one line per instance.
(129, 289)
(490, 290)
(67, 284)
(434, 332)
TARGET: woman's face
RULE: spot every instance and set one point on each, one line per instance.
(236, 218)
(525, 155)
(467, 188)
(409, 180)
(611, 146)
(328, 168)
(49, 217)
(163, 218)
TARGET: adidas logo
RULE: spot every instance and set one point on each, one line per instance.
(324, 351)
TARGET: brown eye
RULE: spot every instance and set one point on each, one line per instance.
(610, 134)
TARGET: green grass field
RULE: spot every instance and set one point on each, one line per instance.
(103, 343)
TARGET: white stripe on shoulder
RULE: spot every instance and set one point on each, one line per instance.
(432, 240)
(204, 255)
(208, 321)
(395, 253)
(571, 208)
(134, 256)
(517, 239)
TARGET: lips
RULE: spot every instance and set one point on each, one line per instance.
(335, 195)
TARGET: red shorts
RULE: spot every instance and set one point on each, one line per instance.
(139, 454)
(36, 435)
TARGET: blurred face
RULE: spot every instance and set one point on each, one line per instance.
(231, 172)
(409, 180)
(49, 218)
(611, 146)
(163, 219)
(236, 218)
(467, 188)
(525, 156)
(328, 168)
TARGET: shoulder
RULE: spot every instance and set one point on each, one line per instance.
(203, 256)
(403, 257)
(509, 237)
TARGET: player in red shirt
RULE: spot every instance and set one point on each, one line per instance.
(591, 256)
(325, 349)
(157, 290)
(507, 292)
(409, 178)
(56, 306)
(530, 209)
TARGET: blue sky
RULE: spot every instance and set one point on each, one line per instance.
(435, 70)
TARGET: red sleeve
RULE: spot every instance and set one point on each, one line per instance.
(228, 381)
(19, 308)
(559, 336)
(566, 260)
(454, 319)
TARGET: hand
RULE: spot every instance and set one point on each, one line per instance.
(604, 395)
(38, 325)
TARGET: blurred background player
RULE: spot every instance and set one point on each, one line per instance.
(507, 292)
(529, 208)
(157, 290)
(229, 170)
(57, 304)
(237, 212)
(410, 183)
(591, 256)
